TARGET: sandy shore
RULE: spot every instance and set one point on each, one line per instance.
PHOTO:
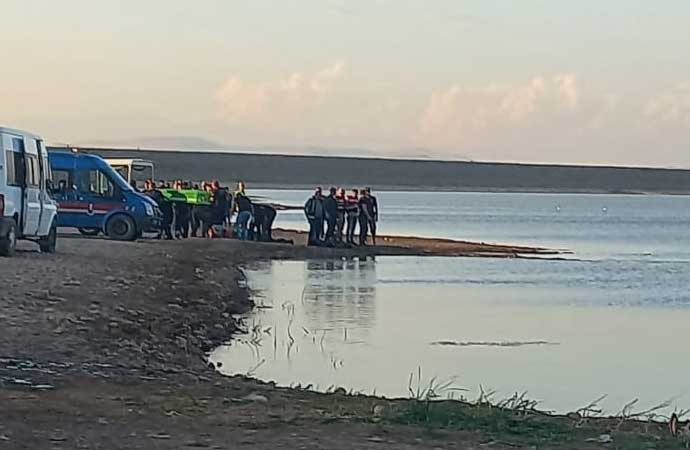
(104, 344)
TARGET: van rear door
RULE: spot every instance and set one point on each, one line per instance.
(33, 200)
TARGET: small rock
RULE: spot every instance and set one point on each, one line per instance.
(159, 436)
(602, 439)
(254, 397)
(197, 444)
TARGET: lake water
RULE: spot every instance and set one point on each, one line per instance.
(615, 319)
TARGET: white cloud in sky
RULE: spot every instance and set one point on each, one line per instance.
(547, 114)
(461, 115)
(671, 107)
(277, 104)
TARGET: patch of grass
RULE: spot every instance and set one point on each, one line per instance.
(497, 423)
(516, 421)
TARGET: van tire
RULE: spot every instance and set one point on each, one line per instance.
(121, 227)
(8, 243)
(48, 244)
(89, 231)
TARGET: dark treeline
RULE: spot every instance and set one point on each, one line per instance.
(263, 170)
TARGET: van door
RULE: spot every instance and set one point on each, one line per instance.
(45, 181)
(98, 196)
(32, 186)
(14, 181)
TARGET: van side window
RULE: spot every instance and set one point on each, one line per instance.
(95, 182)
(15, 168)
(18, 144)
(33, 178)
(61, 180)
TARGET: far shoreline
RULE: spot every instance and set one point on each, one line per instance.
(434, 190)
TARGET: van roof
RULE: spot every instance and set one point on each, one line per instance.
(20, 132)
(128, 161)
(65, 156)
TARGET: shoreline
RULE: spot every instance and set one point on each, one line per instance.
(389, 245)
(105, 344)
(471, 190)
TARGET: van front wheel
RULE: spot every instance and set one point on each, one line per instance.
(121, 228)
(8, 242)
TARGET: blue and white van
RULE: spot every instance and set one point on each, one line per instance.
(26, 209)
(94, 198)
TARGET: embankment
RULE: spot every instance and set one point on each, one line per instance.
(293, 171)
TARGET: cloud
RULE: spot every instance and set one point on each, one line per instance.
(670, 108)
(548, 117)
(462, 114)
(277, 103)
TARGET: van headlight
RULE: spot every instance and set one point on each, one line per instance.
(149, 209)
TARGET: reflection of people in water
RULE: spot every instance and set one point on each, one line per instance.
(340, 294)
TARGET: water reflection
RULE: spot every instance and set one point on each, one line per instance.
(340, 294)
(367, 325)
(306, 311)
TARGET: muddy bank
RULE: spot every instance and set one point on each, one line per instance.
(103, 345)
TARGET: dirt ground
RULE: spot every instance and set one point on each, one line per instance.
(102, 346)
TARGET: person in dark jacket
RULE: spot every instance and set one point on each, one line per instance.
(365, 218)
(245, 213)
(214, 214)
(373, 214)
(352, 209)
(166, 211)
(264, 216)
(183, 216)
(330, 211)
(313, 209)
(341, 202)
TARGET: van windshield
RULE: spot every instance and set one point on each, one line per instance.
(141, 173)
(119, 180)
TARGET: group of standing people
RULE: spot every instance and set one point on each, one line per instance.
(181, 220)
(333, 219)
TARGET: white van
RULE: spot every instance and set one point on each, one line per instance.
(26, 209)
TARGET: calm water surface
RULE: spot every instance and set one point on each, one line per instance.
(614, 320)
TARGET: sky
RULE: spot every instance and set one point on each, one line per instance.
(592, 82)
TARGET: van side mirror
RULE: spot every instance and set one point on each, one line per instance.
(49, 186)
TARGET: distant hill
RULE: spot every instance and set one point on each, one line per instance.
(166, 142)
(198, 144)
(291, 171)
